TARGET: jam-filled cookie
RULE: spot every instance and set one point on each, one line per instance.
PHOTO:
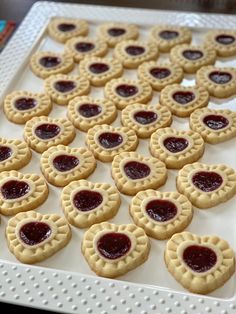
(161, 214)
(183, 100)
(81, 47)
(33, 237)
(14, 154)
(113, 33)
(106, 141)
(43, 132)
(133, 172)
(131, 53)
(192, 57)
(176, 148)
(145, 119)
(219, 81)
(21, 106)
(62, 164)
(21, 192)
(215, 126)
(62, 29)
(99, 71)
(199, 264)
(85, 112)
(62, 88)
(86, 203)
(168, 36)
(124, 92)
(223, 41)
(160, 75)
(113, 250)
(46, 63)
(207, 185)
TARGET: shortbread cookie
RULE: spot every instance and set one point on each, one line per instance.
(183, 100)
(21, 192)
(131, 53)
(62, 164)
(43, 132)
(113, 33)
(207, 185)
(145, 119)
(99, 71)
(86, 203)
(33, 237)
(62, 88)
(14, 154)
(223, 41)
(199, 264)
(81, 47)
(176, 148)
(113, 250)
(220, 82)
(106, 141)
(161, 214)
(85, 112)
(160, 75)
(133, 173)
(192, 57)
(21, 106)
(46, 63)
(124, 92)
(168, 36)
(215, 126)
(62, 29)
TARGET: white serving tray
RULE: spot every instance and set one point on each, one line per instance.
(64, 282)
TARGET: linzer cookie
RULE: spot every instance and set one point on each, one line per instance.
(33, 237)
(161, 214)
(183, 100)
(176, 148)
(215, 126)
(207, 185)
(86, 203)
(199, 264)
(113, 250)
(223, 41)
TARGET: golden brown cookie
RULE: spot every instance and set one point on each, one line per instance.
(223, 41)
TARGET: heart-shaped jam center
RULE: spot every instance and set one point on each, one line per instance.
(175, 144)
(145, 117)
(225, 39)
(64, 86)
(161, 210)
(66, 27)
(89, 110)
(110, 139)
(98, 68)
(160, 73)
(34, 232)
(168, 35)
(199, 258)
(86, 200)
(207, 181)
(49, 61)
(125, 90)
(183, 98)
(220, 77)
(13, 189)
(84, 46)
(5, 152)
(47, 131)
(135, 50)
(192, 54)
(116, 31)
(25, 103)
(114, 245)
(65, 162)
(215, 122)
(136, 170)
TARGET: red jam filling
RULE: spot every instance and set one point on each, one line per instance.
(86, 200)
(34, 232)
(175, 144)
(66, 27)
(215, 122)
(25, 103)
(13, 189)
(220, 77)
(98, 68)
(135, 50)
(207, 181)
(136, 170)
(64, 86)
(183, 98)
(145, 117)
(168, 35)
(199, 258)
(192, 54)
(116, 31)
(110, 139)
(225, 39)
(114, 245)
(49, 62)
(89, 110)
(65, 162)
(125, 90)
(5, 152)
(161, 210)
(84, 46)
(160, 73)
(47, 131)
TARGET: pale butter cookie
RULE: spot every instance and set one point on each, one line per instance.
(223, 41)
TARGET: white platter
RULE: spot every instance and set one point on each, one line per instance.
(64, 282)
